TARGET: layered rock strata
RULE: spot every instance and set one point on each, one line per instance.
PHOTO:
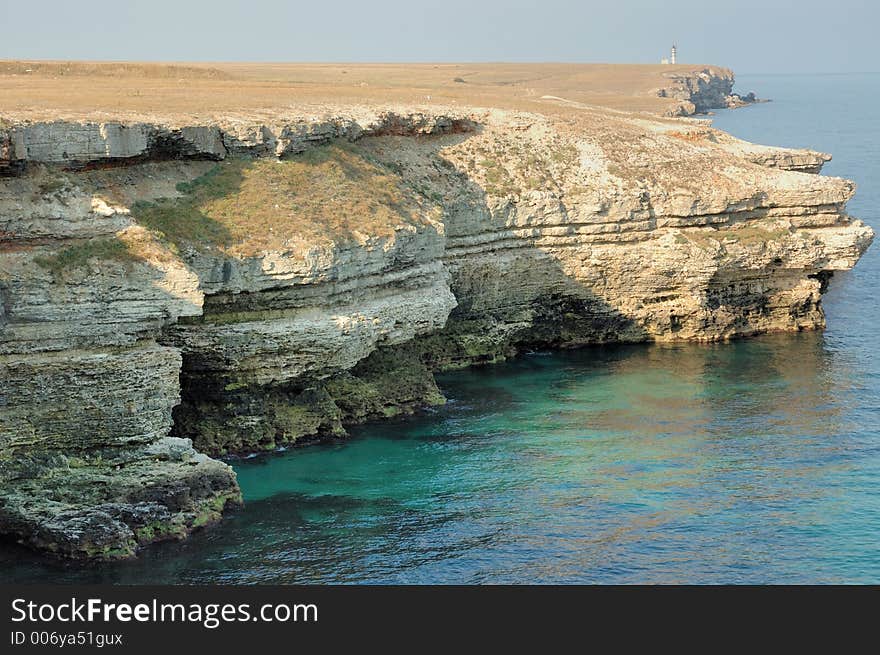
(86, 464)
(173, 292)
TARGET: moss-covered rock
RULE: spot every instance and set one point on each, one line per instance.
(110, 504)
(392, 381)
(238, 417)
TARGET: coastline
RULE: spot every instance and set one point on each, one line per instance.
(477, 249)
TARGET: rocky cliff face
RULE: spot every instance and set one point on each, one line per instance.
(173, 292)
(701, 91)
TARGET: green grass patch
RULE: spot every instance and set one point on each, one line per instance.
(566, 154)
(182, 220)
(52, 185)
(748, 235)
(78, 255)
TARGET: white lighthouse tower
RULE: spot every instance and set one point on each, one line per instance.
(672, 55)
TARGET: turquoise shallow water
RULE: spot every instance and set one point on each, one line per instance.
(755, 461)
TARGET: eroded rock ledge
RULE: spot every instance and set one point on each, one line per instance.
(174, 292)
(701, 91)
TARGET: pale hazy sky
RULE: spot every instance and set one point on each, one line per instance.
(750, 36)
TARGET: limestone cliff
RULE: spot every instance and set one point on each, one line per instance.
(169, 292)
(700, 91)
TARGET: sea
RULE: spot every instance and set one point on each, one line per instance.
(756, 461)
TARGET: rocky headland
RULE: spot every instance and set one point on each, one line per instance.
(701, 91)
(180, 288)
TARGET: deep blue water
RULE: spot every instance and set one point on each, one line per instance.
(755, 461)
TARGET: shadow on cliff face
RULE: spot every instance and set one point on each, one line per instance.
(330, 198)
(511, 294)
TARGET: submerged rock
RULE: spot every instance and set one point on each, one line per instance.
(735, 100)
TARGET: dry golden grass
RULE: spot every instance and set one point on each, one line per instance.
(121, 70)
(217, 91)
(246, 207)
